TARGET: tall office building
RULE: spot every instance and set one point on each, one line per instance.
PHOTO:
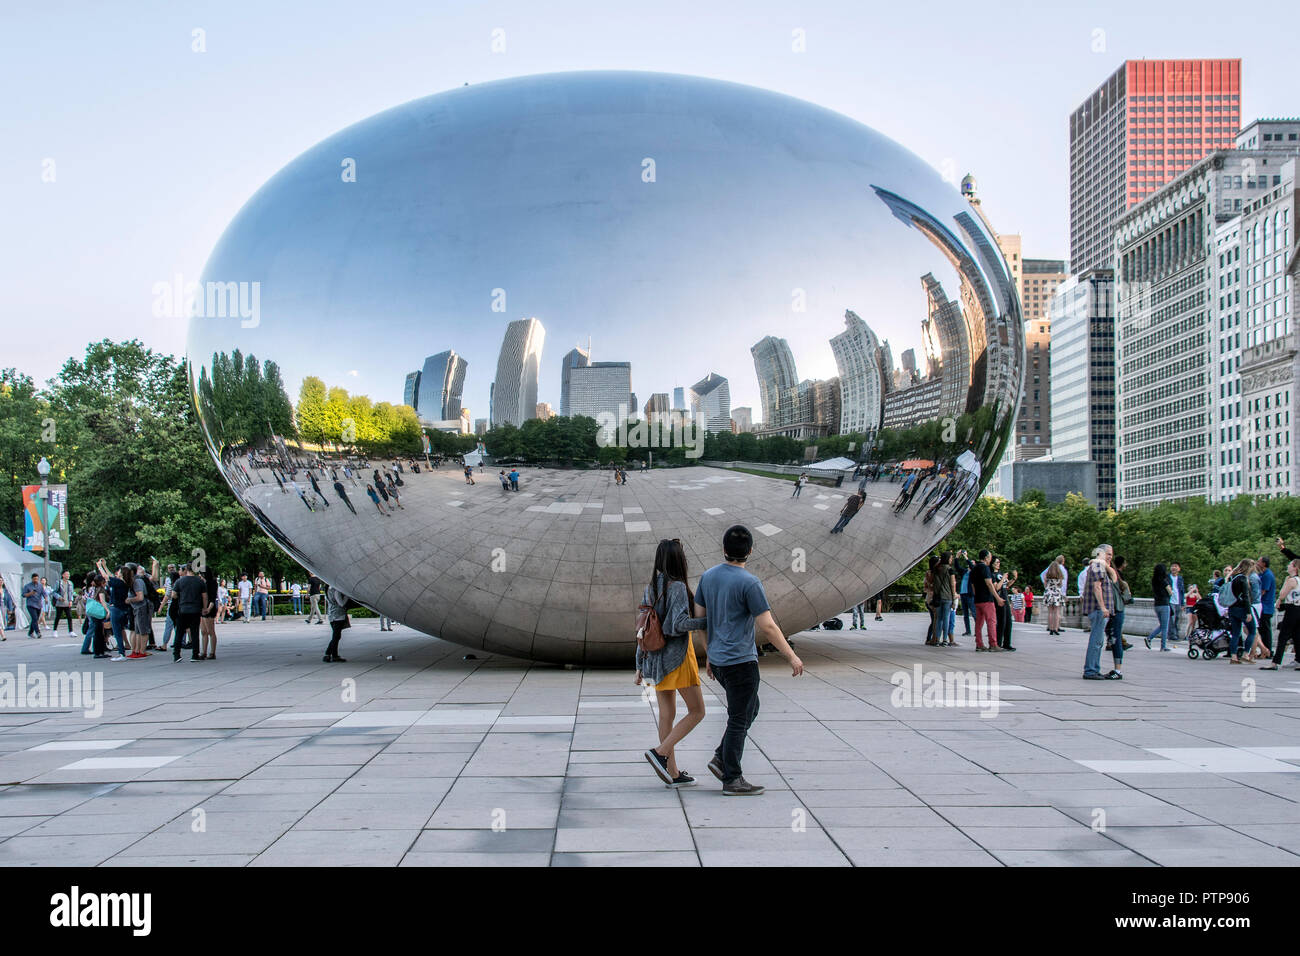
(857, 357)
(945, 325)
(578, 358)
(1039, 280)
(679, 400)
(1147, 124)
(1269, 385)
(480, 426)
(1082, 388)
(411, 392)
(711, 403)
(602, 389)
(743, 416)
(1034, 422)
(778, 382)
(1009, 243)
(440, 384)
(1166, 346)
(514, 390)
(544, 411)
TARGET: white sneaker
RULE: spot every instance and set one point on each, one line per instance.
(117, 657)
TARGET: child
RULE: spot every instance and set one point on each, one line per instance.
(1017, 605)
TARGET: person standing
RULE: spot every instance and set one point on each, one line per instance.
(1097, 602)
(34, 602)
(343, 496)
(514, 479)
(1115, 626)
(945, 592)
(987, 602)
(117, 587)
(169, 608)
(859, 616)
(296, 590)
(672, 669)
(313, 599)
(1177, 602)
(1003, 584)
(469, 474)
(261, 594)
(191, 596)
(1267, 607)
(1289, 627)
(1161, 591)
(370, 490)
(736, 612)
(798, 485)
(208, 616)
(64, 597)
(336, 604)
(1235, 596)
(1028, 594)
(963, 566)
(246, 597)
(850, 508)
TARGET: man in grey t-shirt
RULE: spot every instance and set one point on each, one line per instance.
(737, 609)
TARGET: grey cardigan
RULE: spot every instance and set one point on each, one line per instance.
(336, 605)
(674, 609)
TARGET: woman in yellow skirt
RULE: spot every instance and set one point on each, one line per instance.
(672, 669)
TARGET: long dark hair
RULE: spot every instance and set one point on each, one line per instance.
(128, 578)
(1158, 579)
(670, 561)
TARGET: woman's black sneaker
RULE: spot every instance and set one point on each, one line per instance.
(659, 764)
(683, 779)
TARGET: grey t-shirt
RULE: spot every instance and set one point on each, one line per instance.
(732, 598)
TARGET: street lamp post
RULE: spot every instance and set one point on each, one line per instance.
(43, 468)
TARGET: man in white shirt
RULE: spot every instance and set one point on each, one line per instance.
(245, 597)
(296, 590)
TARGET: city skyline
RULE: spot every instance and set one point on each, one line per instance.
(99, 176)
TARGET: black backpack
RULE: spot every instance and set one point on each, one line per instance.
(151, 593)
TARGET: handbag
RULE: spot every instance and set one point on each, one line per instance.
(96, 610)
(649, 630)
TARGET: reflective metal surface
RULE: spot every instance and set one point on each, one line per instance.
(695, 229)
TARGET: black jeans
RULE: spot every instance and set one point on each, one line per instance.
(186, 623)
(62, 612)
(1288, 630)
(336, 632)
(34, 616)
(740, 682)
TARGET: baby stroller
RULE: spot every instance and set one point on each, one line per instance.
(1209, 638)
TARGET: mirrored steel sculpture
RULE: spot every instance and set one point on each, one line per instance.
(699, 244)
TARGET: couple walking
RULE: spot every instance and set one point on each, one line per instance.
(734, 608)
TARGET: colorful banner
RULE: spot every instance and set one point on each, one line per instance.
(35, 508)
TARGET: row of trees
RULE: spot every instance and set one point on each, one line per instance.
(119, 428)
(330, 417)
(244, 402)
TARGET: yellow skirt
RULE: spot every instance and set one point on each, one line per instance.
(686, 674)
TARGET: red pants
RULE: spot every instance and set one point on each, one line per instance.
(986, 617)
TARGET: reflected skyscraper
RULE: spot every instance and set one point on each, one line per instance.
(657, 406)
(411, 393)
(777, 381)
(577, 358)
(440, 384)
(514, 391)
(711, 403)
(857, 355)
(946, 326)
(600, 389)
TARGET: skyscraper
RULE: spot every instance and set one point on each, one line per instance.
(857, 356)
(1034, 423)
(601, 389)
(1165, 291)
(1148, 123)
(440, 384)
(544, 411)
(711, 403)
(679, 400)
(777, 381)
(743, 416)
(514, 390)
(578, 358)
(945, 324)
(411, 393)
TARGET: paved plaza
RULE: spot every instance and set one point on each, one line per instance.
(270, 757)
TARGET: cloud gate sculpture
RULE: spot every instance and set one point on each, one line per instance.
(729, 283)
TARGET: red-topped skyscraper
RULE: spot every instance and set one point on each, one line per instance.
(1143, 127)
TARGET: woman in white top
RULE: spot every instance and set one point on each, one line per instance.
(1288, 599)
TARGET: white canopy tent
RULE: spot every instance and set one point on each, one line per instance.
(17, 567)
(833, 464)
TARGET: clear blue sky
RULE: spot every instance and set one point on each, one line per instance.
(155, 147)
